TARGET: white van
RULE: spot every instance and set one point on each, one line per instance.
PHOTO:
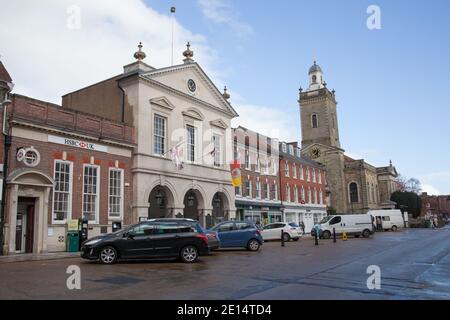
(352, 224)
(389, 219)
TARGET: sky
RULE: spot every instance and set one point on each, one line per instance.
(392, 83)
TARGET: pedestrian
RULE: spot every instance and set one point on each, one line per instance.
(379, 225)
(302, 225)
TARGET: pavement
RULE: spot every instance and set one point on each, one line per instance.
(414, 264)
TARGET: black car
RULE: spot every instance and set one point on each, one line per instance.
(157, 238)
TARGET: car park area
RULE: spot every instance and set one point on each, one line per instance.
(414, 263)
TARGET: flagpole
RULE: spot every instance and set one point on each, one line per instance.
(173, 10)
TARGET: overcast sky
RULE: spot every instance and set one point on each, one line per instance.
(392, 84)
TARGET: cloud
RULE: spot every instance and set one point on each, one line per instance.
(221, 12)
(269, 121)
(430, 190)
(48, 55)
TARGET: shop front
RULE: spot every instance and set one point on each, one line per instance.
(260, 214)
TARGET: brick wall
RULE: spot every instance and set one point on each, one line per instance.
(49, 152)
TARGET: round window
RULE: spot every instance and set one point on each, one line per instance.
(32, 157)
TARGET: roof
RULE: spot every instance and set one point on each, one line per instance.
(4, 75)
(315, 68)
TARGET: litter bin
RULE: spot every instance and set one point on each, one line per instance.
(73, 241)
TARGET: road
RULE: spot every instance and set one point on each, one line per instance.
(415, 264)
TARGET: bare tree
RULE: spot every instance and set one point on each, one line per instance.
(413, 185)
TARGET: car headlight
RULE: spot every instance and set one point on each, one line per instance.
(91, 242)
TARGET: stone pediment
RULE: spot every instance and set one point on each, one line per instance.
(219, 123)
(177, 78)
(194, 114)
(162, 102)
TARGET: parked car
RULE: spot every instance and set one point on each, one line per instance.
(157, 238)
(352, 224)
(238, 234)
(291, 230)
(390, 219)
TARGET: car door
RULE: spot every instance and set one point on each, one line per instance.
(136, 243)
(166, 239)
(227, 234)
(245, 231)
(266, 232)
(337, 224)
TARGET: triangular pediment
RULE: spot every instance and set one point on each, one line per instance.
(308, 149)
(162, 102)
(194, 114)
(219, 123)
(181, 77)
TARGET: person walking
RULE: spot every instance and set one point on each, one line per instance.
(302, 225)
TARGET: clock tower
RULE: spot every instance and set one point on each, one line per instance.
(320, 133)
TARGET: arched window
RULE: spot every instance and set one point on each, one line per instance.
(353, 190)
(314, 121)
(314, 78)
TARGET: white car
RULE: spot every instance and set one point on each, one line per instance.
(291, 230)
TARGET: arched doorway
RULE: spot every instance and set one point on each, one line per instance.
(28, 207)
(161, 203)
(220, 210)
(192, 205)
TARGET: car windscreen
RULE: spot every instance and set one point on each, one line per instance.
(293, 225)
(325, 220)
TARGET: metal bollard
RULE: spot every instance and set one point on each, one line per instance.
(316, 238)
(282, 238)
(334, 235)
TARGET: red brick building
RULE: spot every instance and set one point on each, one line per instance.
(258, 198)
(435, 205)
(303, 188)
(62, 165)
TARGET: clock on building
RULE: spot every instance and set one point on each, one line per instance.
(191, 85)
(315, 153)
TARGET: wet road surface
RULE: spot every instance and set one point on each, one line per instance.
(415, 264)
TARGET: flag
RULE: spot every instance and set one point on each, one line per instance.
(175, 154)
(236, 176)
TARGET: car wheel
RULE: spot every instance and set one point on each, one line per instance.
(326, 235)
(394, 228)
(286, 237)
(296, 239)
(189, 254)
(108, 255)
(366, 233)
(253, 245)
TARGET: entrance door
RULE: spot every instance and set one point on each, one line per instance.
(25, 225)
(20, 232)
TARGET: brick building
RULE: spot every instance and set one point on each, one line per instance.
(435, 205)
(62, 165)
(304, 191)
(258, 198)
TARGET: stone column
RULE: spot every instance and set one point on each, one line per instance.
(45, 218)
(13, 218)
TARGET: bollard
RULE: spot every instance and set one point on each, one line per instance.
(334, 235)
(316, 238)
(282, 238)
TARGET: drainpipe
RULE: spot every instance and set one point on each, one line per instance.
(6, 147)
(123, 101)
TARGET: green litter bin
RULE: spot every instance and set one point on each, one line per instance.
(73, 241)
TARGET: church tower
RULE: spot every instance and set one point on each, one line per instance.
(320, 134)
(318, 111)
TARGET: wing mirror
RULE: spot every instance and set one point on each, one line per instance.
(128, 235)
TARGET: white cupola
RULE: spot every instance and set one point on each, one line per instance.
(316, 80)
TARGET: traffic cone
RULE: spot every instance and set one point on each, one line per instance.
(344, 236)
